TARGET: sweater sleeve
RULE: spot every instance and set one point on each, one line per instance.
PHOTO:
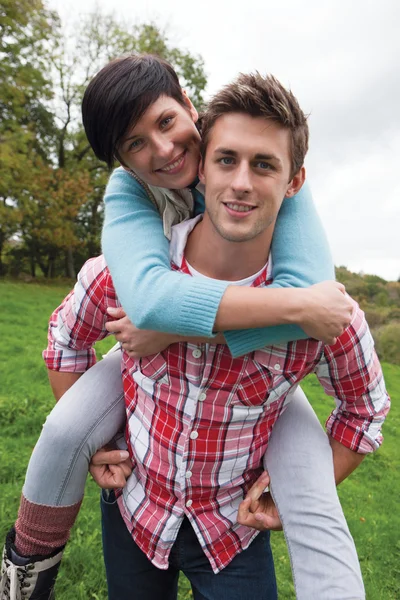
(301, 257)
(154, 297)
(137, 254)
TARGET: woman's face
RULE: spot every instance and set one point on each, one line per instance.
(163, 148)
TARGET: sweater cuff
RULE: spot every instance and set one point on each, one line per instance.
(244, 341)
(200, 307)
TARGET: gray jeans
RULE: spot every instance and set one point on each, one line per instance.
(299, 459)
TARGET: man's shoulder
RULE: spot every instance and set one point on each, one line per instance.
(356, 336)
(302, 354)
(95, 272)
(179, 237)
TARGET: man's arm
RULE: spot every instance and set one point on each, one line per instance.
(73, 328)
(350, 372)
(345, 461)
(60, 382)
(80, 321)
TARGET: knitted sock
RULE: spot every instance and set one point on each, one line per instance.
(41, 529)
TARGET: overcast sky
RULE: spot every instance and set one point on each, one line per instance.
(341, 59)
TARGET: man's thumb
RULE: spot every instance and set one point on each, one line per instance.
(110, 457)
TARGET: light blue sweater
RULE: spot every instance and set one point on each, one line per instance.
(155, 297)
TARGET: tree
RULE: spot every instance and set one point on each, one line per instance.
(58, 164)
(26, 28)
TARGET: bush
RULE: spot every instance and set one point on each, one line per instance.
(387, 342)
(374, 317)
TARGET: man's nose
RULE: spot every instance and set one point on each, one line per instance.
(241, 181)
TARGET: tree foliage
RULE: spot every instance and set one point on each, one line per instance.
(380, 300)
(51, 184)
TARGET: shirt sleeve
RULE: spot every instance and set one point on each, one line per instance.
(300, 257)
(350, 372)
(80, 320)
(137, 254)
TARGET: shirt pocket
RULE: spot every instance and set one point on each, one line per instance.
(254, 387)
(151, 370)
(287, 365)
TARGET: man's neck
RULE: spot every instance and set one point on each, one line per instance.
(215, 257)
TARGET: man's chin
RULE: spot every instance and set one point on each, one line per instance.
(236, 236)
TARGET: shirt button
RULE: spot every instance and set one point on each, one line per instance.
(189, 503)
(194, 435)
(277, 367)
(202, 396)
(188, 474)
(196, 353)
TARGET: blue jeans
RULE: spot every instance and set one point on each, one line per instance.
(130, 574)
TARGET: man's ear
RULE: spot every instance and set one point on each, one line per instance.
(193, 112)
(201, 172)
(296, 183)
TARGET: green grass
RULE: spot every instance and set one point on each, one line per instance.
(369, 497)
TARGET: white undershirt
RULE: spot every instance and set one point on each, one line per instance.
(247, 281)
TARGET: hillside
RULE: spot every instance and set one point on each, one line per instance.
(380, 301)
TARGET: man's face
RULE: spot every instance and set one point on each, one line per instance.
(163, 148)
(246, 172)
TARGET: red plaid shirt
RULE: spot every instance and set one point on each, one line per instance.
(198, 420)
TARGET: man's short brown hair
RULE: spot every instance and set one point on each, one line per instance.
(259, 96)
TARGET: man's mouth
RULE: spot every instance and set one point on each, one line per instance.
(173, 165)
(239, 207)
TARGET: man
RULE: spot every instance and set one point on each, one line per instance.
(199, 421)
(227, 407)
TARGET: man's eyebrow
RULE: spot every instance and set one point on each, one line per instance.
(268, 157)
(258, 156)
(226, 151)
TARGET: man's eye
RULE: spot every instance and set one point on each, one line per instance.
(226, 160)
(263, 165)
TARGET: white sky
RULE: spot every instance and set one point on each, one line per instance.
(341, 59)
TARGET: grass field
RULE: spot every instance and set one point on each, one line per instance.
(369, 497)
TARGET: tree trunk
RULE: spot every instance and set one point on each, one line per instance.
(32, 264)
(70, 264)
(2, 267)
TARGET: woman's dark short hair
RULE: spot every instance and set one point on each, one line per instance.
(118, 96)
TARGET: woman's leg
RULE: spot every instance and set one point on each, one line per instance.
(322, 552)
(85, 418)
(88, 416)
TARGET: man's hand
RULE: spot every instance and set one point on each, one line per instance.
(137, 342)
(110, 468)
(326, 312)
(258, 509)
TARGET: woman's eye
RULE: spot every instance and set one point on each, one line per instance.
(135, 144)
(165, 122)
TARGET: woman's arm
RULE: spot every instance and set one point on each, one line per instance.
(154, 297)
(137, 254)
